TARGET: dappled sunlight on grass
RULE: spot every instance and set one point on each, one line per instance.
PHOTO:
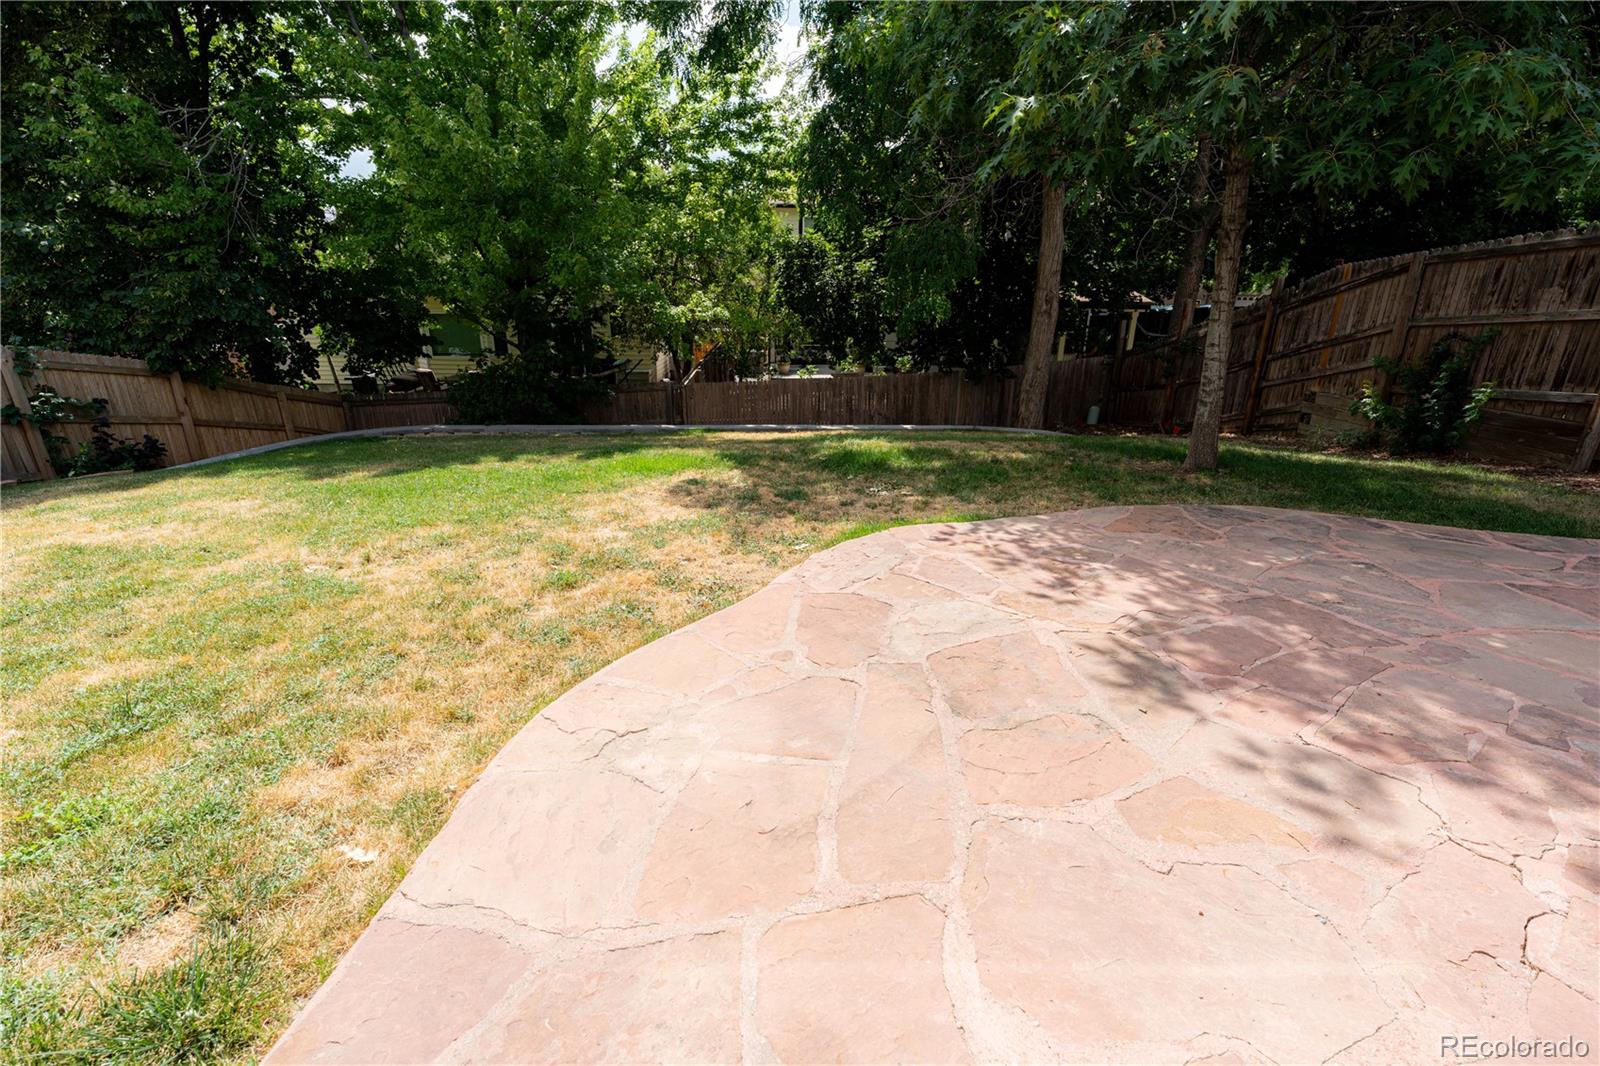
(223, 683)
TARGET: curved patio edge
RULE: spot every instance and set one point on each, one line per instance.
(1100, 785)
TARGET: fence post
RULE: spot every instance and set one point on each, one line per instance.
(32, 437)
(283, 412)
(1407, 309)
(1590, 442)
(1269, 327)
(191, 439)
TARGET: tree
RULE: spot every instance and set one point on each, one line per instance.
(501, 153)
(1201, 221)
(982, 327)
(544, 172)
(162, 184)
(1361, 96)
(1303, 231)
(1057, 121)
(950, 60)
(933, 139)
(1343, 99)
(708, 239)
(1219, 332)
(837, 295)
(891, 177)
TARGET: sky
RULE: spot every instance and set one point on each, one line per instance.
(787, 51)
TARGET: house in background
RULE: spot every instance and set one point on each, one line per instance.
(791, 216)
(453, 345)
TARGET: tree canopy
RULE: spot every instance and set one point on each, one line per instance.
(174, 187)
(162, 184)
(973, 177)
(1143, 124)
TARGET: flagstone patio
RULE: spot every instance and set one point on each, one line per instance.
(1157, 784)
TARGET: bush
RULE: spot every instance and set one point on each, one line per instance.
(517, 391)
(559, 365)
(1439, 399)
(103, 451)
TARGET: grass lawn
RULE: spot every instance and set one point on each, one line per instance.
(240, 699)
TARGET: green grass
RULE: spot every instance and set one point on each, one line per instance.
(223, 683)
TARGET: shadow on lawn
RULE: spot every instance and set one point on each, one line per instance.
(1065, 472)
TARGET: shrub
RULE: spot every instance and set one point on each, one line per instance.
(515, 391)
(104, 451)
(560, 367)
(1439, 400)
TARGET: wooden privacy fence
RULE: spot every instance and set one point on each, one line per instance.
(413, 409)
(927, 399)
(1312, 346)
(192, 420)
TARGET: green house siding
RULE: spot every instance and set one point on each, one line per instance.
(456, 345)
(454, 336)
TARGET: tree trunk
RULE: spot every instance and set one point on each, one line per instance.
(1219, 330)
(1201, 219)
(1046, 306)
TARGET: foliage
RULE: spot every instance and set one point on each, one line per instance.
(1349, 114)
(837, 297)
(701, 263)
(895, 192)
(907, 149)
(1342, 99)
(374, 289)
(173, 189)
(1300, 232)
(985, 329)
(1337, 98)
(1440, 401)
(541, 170)
(162, 184)
(542, 383)
(48, 408)
(104, 451)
